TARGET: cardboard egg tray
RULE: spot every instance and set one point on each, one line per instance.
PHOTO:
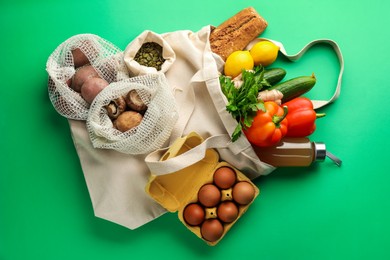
(174, 191)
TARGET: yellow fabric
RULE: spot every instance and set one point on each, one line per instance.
(172, 189)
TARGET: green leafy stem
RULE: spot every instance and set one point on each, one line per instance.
(243, 103)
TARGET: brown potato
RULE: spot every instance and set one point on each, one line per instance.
(69, 82)
(79, 58)
(92, 87)
(127, 120)
(82, 75)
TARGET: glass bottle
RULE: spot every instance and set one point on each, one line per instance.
(295, 152)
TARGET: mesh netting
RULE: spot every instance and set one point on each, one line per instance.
(106, 58)
(157, 122)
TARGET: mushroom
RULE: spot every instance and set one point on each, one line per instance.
(134, 101)
(116, 107)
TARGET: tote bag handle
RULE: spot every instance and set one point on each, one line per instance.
(317, 103)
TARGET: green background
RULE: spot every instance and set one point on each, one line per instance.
(318, 212)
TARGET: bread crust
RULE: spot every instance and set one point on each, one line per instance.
(237, 32)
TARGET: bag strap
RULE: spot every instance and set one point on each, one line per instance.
(317, 103)
(185, 159)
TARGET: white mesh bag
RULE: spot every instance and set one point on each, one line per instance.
(106, 58)
(155, 127)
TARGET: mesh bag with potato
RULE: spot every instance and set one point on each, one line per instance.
(133, 116)
(78, 58)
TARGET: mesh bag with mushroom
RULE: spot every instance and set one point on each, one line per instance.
(79, 68)
(133, 116)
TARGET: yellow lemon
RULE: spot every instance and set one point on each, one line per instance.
(238, 61)
(264, 53)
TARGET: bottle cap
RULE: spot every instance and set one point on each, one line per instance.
(319, 151)
(320, 154)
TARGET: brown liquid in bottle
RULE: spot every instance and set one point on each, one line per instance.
(292, 152)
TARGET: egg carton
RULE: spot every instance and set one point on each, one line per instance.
(178, 190)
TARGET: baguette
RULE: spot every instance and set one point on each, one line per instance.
(237, 32)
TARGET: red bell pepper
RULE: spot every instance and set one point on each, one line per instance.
(269, 126)
(301, 117)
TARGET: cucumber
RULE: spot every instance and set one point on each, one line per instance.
(295, 87)
(274, 75)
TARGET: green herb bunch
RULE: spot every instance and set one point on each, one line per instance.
(242, 101)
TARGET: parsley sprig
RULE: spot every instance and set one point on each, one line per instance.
(242, 102)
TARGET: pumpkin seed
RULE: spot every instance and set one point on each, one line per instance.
(150, 55)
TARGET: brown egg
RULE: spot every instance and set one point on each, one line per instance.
(224, 177)
(194, 214)
(227, 211)
(243, 192)
(211, 230)
(209, 195)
